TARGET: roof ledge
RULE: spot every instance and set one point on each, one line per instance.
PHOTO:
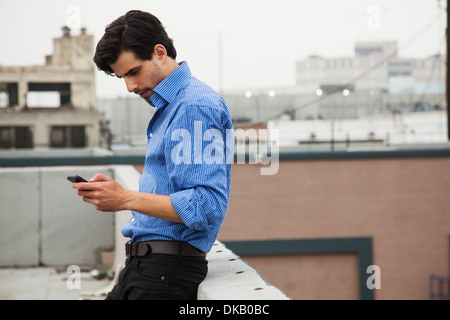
(231, 278)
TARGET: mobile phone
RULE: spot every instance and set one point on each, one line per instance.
(76, 178)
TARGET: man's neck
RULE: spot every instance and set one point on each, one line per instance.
(171, 66)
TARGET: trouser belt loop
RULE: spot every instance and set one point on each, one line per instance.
(180, 250)
(135, 249)
(128, 249)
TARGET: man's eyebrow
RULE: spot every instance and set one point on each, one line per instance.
(132, 70)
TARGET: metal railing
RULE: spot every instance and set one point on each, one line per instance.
(439, 287)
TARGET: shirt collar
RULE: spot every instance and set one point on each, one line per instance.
(166, 91)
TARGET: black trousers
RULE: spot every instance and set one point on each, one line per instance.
(160, 277)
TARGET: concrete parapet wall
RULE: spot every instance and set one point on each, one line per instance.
(44, 222)
(231, 278)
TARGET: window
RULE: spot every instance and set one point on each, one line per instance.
(400, 74)
(16, 137)
(23, 137)
(4, 99)
(46, 99)
(77, 137)
(47, 94)
(58, 137)
(68, 137)
(5, 138)
(9, 95)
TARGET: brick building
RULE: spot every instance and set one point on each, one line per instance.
(315, 227)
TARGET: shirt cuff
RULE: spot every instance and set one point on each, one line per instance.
(188, 208)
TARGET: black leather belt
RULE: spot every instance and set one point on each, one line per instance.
(139, 249)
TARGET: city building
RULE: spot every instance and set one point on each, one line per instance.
(52, 105)
(375, 66)
(377, 79)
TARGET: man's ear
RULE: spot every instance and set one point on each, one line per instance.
(160, 53)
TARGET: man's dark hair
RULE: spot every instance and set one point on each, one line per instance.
(136, 31)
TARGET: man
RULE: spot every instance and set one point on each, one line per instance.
(184, 188)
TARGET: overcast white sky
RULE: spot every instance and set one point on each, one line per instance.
(262, 39)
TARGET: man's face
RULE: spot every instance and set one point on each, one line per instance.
(141, 76)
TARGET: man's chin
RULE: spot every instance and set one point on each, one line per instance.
(148, 97)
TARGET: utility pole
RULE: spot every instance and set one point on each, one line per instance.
(220, 48)
(447, 74)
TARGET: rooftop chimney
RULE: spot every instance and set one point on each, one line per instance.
(66, 31)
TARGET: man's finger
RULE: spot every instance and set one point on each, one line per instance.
(83, 186)
(99, 177)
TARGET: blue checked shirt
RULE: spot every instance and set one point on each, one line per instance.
(189, 154)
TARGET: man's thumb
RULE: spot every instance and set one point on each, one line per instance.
(98, 177)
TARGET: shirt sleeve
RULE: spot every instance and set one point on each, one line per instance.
(197, 152)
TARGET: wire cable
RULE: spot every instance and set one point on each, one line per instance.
(350, 83)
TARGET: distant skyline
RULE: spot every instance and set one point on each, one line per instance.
(261, 39)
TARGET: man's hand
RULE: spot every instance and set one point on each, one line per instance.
(107, 195)
(103, 192)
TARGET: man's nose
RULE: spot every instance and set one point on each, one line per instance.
(131, 85)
